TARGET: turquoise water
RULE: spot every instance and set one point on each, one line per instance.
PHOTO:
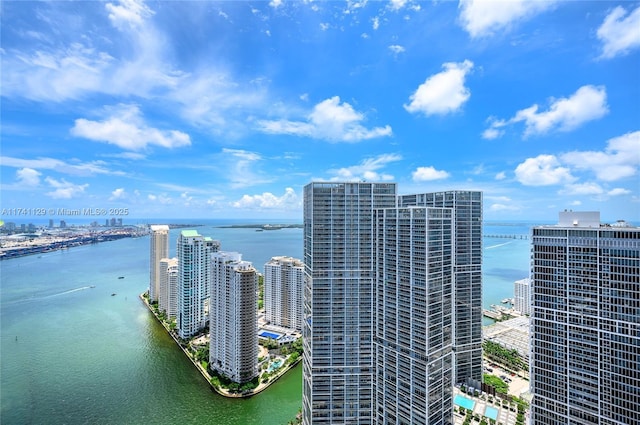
(462, 401)
(491, 412)
(275, 365)
(73, 353)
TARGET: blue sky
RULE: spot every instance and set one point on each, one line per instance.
(227, 109)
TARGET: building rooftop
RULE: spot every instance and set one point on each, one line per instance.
(189, 233)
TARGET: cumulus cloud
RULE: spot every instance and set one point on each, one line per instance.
(588, 103)
(619, 32)
(28, 177)
(482, 18)
(620, 158)
(275, 3)
(375, 23)
(126, 129)
(396, 49)
(330, 120)
(368, 169)
(117, 194)
(64, 189)
(422, 174)
(267, 200)
(501, 175)
(543, 170)
(442, 93)
(618, 191)
(397, 4)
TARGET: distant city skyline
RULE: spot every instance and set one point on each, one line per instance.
(230, 110)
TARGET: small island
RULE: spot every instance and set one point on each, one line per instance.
(262, 226)
(274, 360)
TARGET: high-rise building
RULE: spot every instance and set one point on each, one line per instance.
(585, 339)
(522, 296)
(413, 316)
(283, 288)
(338, 300)
(467, 276)
(194, 281)
(159, 241)
(168, 293)
(233, 350)
(345, 268)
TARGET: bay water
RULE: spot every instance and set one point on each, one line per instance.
(77, 346)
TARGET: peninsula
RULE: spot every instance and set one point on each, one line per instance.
(274, 360)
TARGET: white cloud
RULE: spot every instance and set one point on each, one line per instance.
(44, 163)
(117, 194)
(576, 203)
(267, 200)
(485, 17)
(275, 3)
(588, 103)
(501, 175)
(28, 177)
(242, 166)
(503, 207)
(367, 170)
(588, 188)
(618, 191)
(422, 174)
(126, 129)
(543, 170)
(128, 13)
(375, 23)
(444, 92)
(619, 32)
(324, 26)
(397, 4)
(620, 159)
(160, 199)
(64, 189)
(330, 120)
(396, 49)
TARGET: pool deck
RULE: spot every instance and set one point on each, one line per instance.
(505, 416)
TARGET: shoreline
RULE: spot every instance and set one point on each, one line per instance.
(261, 386)
(56, 243)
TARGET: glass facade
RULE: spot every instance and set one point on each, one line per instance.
(353, 372)
(585, 341)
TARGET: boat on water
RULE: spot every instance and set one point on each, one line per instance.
(113, 295)
(120, 277)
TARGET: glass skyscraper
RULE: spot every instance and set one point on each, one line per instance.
(585, 341)
(351, 366)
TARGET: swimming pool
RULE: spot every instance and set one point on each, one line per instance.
(267, 334)
(491, 412)
(462, 401)
(275, 365)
